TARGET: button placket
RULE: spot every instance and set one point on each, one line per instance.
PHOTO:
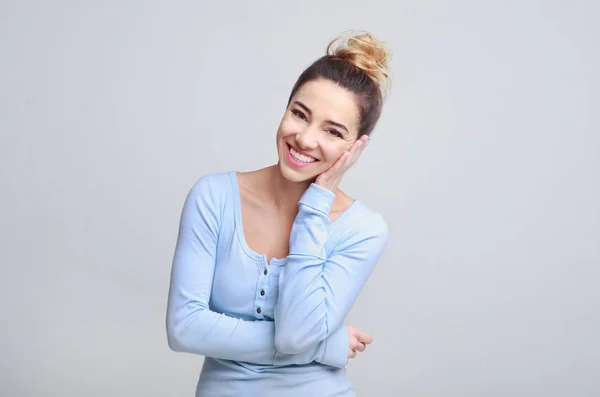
(261, 290)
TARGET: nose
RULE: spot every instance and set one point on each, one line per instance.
(307, 138)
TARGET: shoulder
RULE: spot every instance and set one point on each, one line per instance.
(207, 200)
(361, 238)
(211, 192)
(362, 216)
(211, 185)
(362, 226)
(367, 220)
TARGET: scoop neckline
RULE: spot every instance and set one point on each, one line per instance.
(239, 226)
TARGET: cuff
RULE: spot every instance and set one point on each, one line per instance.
(318, 198)
(336, 348)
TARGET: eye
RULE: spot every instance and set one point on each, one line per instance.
(336, 133)
(299, 114)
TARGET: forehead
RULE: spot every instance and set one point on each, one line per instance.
(329, 101)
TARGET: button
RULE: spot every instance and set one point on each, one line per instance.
(258, 310)
(262, 293)
(265, 272)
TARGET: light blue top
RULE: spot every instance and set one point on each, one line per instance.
(268, 329)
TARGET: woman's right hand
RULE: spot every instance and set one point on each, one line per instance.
(358, 341)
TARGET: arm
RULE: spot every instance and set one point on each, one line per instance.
(316, 291)
(191, 326)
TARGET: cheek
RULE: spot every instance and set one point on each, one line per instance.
(334, 150)
(287, 127)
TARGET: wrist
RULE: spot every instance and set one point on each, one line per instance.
(331, 186)
(318, 197)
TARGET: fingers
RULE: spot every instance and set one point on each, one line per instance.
(357, 148)
(356, 344)
(343, 163)
(364, 337)
(351, 353)
(340, 164)
(362, 144)
(358, 341)
(360, 347)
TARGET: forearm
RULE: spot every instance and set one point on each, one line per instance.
(303, 298)
(202, 331)
(317, 288)
(216, 335)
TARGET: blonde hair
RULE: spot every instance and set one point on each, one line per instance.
(364, 51)
(357, 62)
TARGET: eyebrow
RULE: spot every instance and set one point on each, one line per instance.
(303, 106)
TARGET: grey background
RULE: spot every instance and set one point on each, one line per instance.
(485, 165)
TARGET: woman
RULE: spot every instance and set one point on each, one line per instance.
(268, 263)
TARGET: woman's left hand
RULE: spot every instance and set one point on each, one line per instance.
(331, 178)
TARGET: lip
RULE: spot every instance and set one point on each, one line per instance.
(295, 162)
(302, 152)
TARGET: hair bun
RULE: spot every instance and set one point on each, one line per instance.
(365, 52)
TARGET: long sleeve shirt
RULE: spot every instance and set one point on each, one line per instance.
(268, 328)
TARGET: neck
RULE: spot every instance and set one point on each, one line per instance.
(284, 192)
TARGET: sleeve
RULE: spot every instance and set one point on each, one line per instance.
(191, 326)
(316, 291)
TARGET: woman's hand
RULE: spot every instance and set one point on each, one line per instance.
(331, 178)
(358, 341)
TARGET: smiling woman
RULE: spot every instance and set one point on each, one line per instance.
(268, 263)
(320, 124)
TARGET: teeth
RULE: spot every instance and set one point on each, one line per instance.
(301, 157)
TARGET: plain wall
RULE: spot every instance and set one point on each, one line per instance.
(485, 164)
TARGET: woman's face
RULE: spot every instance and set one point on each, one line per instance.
(319, 125)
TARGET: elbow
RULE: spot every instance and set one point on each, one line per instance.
(185, 329)
(295, 337)
(287, 345)
(175, 344)
(292, 342)
(178, 335)
(175, 339)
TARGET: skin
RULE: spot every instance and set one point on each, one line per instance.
(322, 121)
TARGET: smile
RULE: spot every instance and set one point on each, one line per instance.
(299, 159)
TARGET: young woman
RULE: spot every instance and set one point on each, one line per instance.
(268, 263)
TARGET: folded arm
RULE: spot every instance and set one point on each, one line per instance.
(317, 290)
